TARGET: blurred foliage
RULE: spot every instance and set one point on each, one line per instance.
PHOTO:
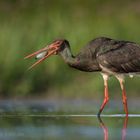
(27, 25)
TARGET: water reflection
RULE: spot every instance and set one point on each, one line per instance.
(124, 128)
(59, 127)
(63, 120)
(105, 128)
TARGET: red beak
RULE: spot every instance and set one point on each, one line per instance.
(44, 53)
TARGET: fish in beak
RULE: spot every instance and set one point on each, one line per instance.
(44, 53)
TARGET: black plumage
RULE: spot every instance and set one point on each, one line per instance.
(109, 56)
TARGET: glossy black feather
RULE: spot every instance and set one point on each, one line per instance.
(119, 56)
(103, 54)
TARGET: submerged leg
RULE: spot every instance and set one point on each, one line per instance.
(106, 96)
(124, 97)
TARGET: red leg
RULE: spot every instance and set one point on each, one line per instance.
(125, 102)
(124, 97)
(106, 96)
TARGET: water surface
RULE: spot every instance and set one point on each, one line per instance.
(38, 121)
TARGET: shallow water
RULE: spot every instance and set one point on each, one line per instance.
(32, 120)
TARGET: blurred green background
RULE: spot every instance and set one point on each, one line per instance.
(28, 25)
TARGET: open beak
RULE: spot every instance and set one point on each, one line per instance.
(44, 53)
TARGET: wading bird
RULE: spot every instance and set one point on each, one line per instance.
(105, 55)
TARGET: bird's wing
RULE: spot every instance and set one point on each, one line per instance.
(119, 56)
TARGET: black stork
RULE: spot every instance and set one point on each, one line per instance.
(105, 55)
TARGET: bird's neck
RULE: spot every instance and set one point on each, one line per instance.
(68, 57)
(83, 64)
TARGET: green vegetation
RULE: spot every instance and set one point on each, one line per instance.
(27, 25)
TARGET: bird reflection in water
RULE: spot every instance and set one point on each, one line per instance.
(105, 128)
(124, 128)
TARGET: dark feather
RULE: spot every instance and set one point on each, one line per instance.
(119, 56)
(105, 54)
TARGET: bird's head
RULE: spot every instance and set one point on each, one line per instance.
(53, 49)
